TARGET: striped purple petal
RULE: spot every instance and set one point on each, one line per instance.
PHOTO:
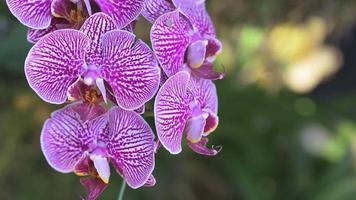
(34, 35)
(152, 9)
(131, 146)
(35, 14)
(170, 36)
(130, 68)
(65, 138)
(123, 11)
(54, 63)
(172, 111)
(94, 27)
(205, 92)
(196, 12)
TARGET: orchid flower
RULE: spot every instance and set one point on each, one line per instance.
(99, 55)
(45, 16)
(186, 106)
(185, 39)
(86, 147)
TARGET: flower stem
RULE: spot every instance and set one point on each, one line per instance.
(122, 190)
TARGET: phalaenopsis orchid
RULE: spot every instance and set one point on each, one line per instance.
(86, 54)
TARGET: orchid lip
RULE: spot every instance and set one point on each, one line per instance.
(102, 167)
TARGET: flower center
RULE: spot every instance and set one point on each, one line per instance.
(202, 51)
(92, 96)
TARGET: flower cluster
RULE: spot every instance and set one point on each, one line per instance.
(86, 54)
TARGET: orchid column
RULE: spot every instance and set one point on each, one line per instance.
(86, 54)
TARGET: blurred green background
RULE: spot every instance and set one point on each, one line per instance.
(287, 111)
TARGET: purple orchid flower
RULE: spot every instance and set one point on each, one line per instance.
(113, 60)
(87, 146)
(186, 106)
(45, 16)
(186, 41)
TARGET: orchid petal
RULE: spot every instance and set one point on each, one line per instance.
(123, 11)
(94, 27)
(164, 77)
(153, 9)
(84, 167)
(201, 148)
(171, 35)
(54, 63)
(141, 110)
(211, 123)
(171, 111)
(195, 128)
(94, 187)
(205, 92)
(196, 53)
(130, 68)
(101, 165)
(65, 138)
(35, 14)
(88, 111)
(214, 48)
(151, 181)
(34, 35)
(207, 71)
(130, 27)
(197, 14)
(131, 146)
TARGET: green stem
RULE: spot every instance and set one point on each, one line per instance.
(122, 190)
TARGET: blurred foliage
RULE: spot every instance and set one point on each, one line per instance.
(277, 143)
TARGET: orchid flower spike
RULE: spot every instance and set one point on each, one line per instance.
(45, 16)
(88, 146)
(99, 55)
(186, 106)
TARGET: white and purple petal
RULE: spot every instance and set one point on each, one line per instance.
(131, 146)
(94, 27)
(196, 12)
(123, 11)
(205, 92)
(130, 68)
(171, 35)
(54, 63)
(65, 138)
(172, 111)
(34, 14)
(153, 9)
